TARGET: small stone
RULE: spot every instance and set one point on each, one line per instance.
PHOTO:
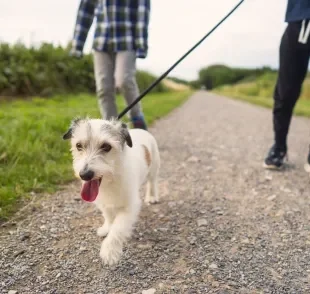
(254, 192)
(149, 291)
(192, 240)
(268, 177)
(193, 159)
(210, 278)
(12, 292)
(233, 250)
(161, 285)
(43, 227)
(171, 204)
(77, 198)
(215, 284)
(213, 266)
(280, 212)
(58, 275)
(272, 197)
(192, 271)
(286, 190)
(19, 252)
(25, 236)
(144, 246)
(83, 248)
(202, 222)
(245, 241)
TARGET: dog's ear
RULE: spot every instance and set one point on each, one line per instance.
(125, 134)
(68, 134)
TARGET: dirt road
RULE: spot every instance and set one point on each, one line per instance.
(224, 224)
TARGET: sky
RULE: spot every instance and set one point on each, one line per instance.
(248, 38)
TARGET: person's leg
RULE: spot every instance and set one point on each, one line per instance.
(294, 59)
(104, 65)
(125, 74)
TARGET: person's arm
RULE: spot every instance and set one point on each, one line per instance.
(143, 18)
(83, 23)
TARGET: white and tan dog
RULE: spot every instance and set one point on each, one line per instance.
(113, 163)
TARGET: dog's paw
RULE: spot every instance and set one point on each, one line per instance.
(151, 200)
(110, 253)
(103, 231)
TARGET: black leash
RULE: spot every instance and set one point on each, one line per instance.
(175, 64)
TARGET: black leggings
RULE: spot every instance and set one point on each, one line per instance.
(294, 59)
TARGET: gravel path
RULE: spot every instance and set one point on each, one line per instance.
(224, 224)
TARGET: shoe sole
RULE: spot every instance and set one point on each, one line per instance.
(273, 167)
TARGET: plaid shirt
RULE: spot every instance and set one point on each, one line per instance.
(121, 25)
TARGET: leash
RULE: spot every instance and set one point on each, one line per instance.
(156, 82)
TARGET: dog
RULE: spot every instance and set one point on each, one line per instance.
(113, 162)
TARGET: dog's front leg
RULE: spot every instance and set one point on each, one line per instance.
(120, 231)
(108, 216)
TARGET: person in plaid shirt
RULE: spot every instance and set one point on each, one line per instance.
(121, 36)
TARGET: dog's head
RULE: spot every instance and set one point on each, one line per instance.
(97, 148)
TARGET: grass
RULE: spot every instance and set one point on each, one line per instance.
(260, 92)
(33, 156)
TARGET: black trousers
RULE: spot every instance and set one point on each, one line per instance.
(294, 59)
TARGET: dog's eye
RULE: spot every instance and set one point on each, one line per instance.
(79, 146)
(106, 147)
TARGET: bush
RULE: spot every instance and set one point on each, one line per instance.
(48, 70)
(260, 87)
(217, 75)
(145, 79)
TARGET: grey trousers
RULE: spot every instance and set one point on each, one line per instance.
(112, 71)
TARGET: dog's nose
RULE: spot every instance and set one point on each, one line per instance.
(87, 175)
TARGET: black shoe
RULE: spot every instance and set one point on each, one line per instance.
(275, 157)
(307, 164)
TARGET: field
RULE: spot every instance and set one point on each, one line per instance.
(259, 91)
(33, 156)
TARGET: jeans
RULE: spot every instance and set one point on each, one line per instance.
(116, 70)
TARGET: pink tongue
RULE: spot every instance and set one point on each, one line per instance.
(90, 190)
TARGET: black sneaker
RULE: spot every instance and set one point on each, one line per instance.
(139, 122)
(275, 157)
(307, 164)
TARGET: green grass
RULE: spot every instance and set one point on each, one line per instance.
(33, 156)
(260, 92)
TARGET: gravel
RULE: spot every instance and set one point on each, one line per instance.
(224, 224)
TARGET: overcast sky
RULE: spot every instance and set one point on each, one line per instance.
(249, 38)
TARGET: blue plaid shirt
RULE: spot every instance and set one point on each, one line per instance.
(121, 25)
